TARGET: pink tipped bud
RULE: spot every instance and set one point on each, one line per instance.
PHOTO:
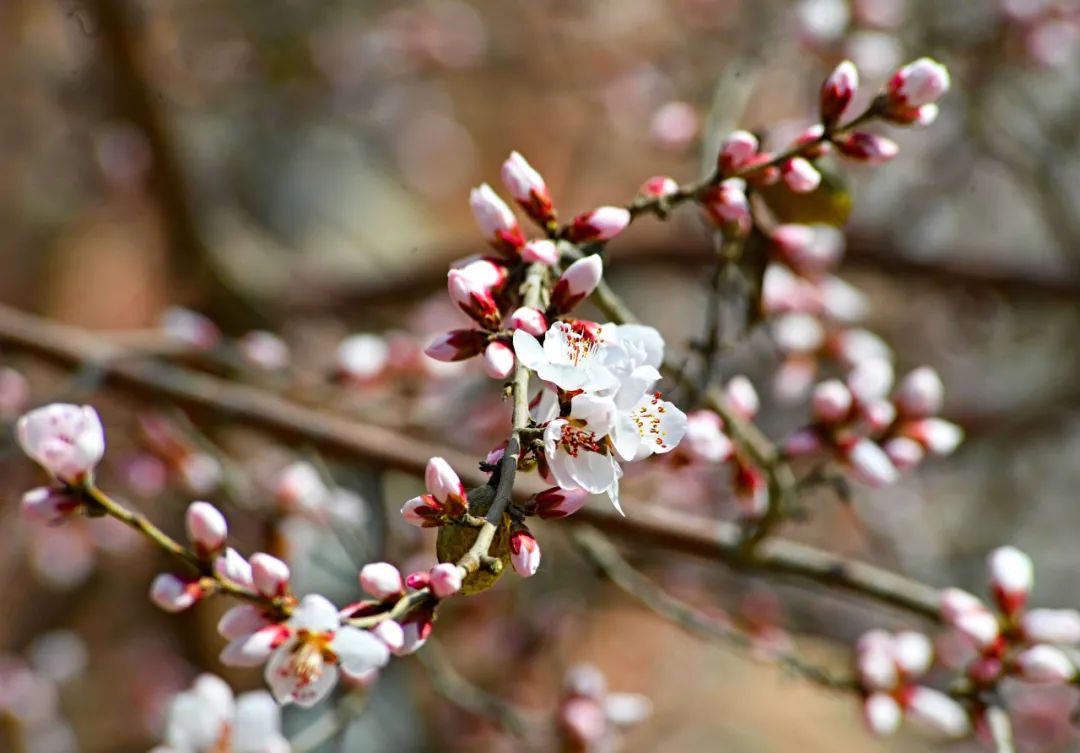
(799, 175)
(473, 298)
(173, 594)
(798, 333)
(271, 575)
(497, 222)
(424, 511)
(882, 714)
(417, 580)
(751, 491)
(658, 187)
(206, 527)
(483, 271)
(560, 503)
(529, 320)
(498, 360)
(760, 171)
(855, 345)
(50, 505)
(914, 653)
(457, 345)
(837, 92)
(737, 151)
(842, 301)
(727, 206)
(601, 224)
(1011, 577)
(524, 554)
(810, 249)
(969, 616)
(920, 393)
(234, 568)
(831, 402)
(392, 634)
(442, 482)
(875, 661)
(741, 397)
(877, 416)
(904, 453)
(577, 282)
(445, 580)
(1051, 626)
(870, 380)
(937, 435)
(527, 187)
(937, 712)
(803, 443)
(705, 439)
(869, 463)
(381, 579)
(867, 147)
(1045, 664)
(919, 83)
(541, 251)
(954, 602)
(66, 440)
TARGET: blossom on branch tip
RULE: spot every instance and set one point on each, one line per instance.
(270, 575)
(575, 355)
(576, 283)
(831, 402)
(882, 714)
(445, 580)
(304, 668)
(524, 553)
(206, 527)
(658, 187)
(382, 580)
(918, 83)
(799, 175)
(446, 497)
(920, 393)
(937, 435)
(66, 440)
(1012, 575)
(598, 225)
(496, 220)
(528, 188)
(737, 150)
(837, 92)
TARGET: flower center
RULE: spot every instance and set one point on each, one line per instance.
(575, 439)
(582, 340)
(310, 656)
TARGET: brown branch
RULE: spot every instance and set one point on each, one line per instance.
(334, 436)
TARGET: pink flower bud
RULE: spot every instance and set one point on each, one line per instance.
(914, 653)
(741, 397)
(810, 249)
(937, 712)
(727, 206)
(442, 482)
(842, 301)
(837, 92)
(50, 505)
(1011, 577)
(496, 221)
(870, 380)
(483, 271)
(970, 617)
(658, 186)
(867, 147)
(760, 171)
(954, 602)
(737, 151)
(803, 443)
(173, 594)
(937, 435)
(498, 360)
(541, 251)
(920, 393)
(751, 491)
(601, 224)
(799, 175)
(473, 298)
(919, 83)
(869, 463)
(904, 453)
(705, 439)
(797, 333)
(524, 553)
(206, 527)
(831, 402)
(234, 568)
(528, 189)
(855, 345)
(423, 511)
(270, 575)
(392, 634)
(66, 440)
(875, 661)
(457, 345)
(381, 579)
(1051, 626)
(1045, 664)
(417, 580)
(529, 320)
(559, 503)
(877, 416)
(445, 580)
(882, 714)
(577, 282)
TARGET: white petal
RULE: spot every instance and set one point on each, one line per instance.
(257, 722)
(241, 620)
(252, 650)
(315, 613)
(598, 412)
(359, 650)
(287, 687)
(529, 351)
(644, 338)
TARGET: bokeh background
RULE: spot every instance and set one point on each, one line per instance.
(304, 166)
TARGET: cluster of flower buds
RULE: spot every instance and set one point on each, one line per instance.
(708, 443)
(482, 286)
(589, 717)
(874, 436)
(888, 668)
(1009, 639)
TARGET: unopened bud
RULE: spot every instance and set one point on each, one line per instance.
(497, 222)
(445, 580)
(869, 463)
(50, 505)
(658, 186)
(741, 397)
(867, 147)
(1045, 664)
(473, 298)
(882, 714)
(173, 594)
(271, 575)
(498, 360)
(919, 83)
(738, 149)
(830, 402)
(541, 251)
(528, 188)
(937, 712)
(524, 553)
(799, 175)
(601, 224)
(559, 503)
(1012, 575)
(529, 320)
(206, 527)
(381, 579)
(1060, 626)
(837, 92)
(920, 393)
(576, 283)
(457, 345)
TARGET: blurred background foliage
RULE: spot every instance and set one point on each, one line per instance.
(304, 165)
